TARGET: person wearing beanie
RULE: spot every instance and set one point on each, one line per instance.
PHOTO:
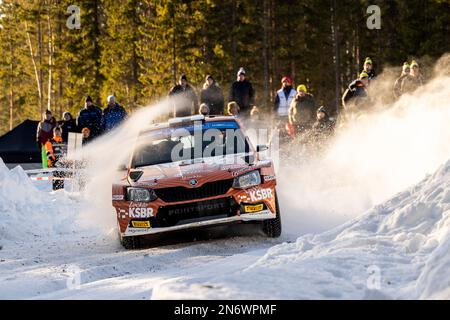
(302, 111)
(356, 95)
(413, 80)
(186, 102)
(368, 68)
(212, 96)
(90, 117)
(67, 124)
(113, 114)
(242, 93)
(283, 99)
(398, 82)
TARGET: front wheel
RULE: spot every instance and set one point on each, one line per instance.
(272, 227)
(130, 242)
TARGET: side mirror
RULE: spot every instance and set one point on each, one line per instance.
(261, 147)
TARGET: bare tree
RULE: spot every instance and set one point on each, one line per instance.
(38, 75)
(337, 59)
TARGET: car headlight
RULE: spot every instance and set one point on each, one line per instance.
(247, 180)
(141, 194)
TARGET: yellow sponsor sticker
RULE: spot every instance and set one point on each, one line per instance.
(140, 224)
(253, 208)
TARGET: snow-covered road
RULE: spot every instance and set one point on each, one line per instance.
(89, 267)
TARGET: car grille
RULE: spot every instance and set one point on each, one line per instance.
(195, 211)
(210, 189)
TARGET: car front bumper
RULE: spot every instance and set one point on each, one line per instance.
(247, 217)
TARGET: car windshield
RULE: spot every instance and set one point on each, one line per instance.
(189, 142)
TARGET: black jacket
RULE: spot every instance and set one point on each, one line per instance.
(90, 118)
(355, 92)
(188, 100)
(67, 126)
(372, 74)
(213, 97)
(242, 92)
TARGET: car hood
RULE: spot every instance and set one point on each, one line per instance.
(202, 170)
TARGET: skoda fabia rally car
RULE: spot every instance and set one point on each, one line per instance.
(194, 172)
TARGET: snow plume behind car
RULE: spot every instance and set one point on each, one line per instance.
(105, 155)
(374, 157)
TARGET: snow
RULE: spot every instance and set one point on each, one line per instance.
(27, 211)
(396, 250)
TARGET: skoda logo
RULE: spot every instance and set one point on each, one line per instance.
(193, 182)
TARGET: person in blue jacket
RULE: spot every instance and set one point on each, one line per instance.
(90, 117)
(113, 114)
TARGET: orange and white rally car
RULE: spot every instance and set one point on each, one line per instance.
(192, 172)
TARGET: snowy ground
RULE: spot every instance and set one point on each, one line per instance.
(397, 250)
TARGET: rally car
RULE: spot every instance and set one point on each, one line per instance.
(194, 172)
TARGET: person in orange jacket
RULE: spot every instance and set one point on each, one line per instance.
(55, 148)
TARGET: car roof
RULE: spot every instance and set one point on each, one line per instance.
(212, 118)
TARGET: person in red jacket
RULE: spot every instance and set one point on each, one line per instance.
(45, 128)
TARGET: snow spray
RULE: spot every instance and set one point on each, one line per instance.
(378, 155)
(104, 156)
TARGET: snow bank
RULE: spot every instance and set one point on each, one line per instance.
(26, 212)
(397, 250)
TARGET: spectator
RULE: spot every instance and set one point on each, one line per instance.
(90, 117)
(86, 136)
(233, 109)
(398, 82)
(412, 81)
(254, 114)
(356, 95)
(242, 93)
(368, 68)
(45, 128)
(318, 137)
(302, 113)
(204, 109)
(55, 150)
(67, 124)
(186, 100)
(212, 95)
(323, 128)
(113, 114)
(284, 98)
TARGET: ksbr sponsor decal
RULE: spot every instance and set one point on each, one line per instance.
(269, 178)
(140, 212)
(260, 194)
(118, 197)
(135, 213)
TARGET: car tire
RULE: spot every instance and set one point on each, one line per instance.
(272, 227)
(133, 242)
